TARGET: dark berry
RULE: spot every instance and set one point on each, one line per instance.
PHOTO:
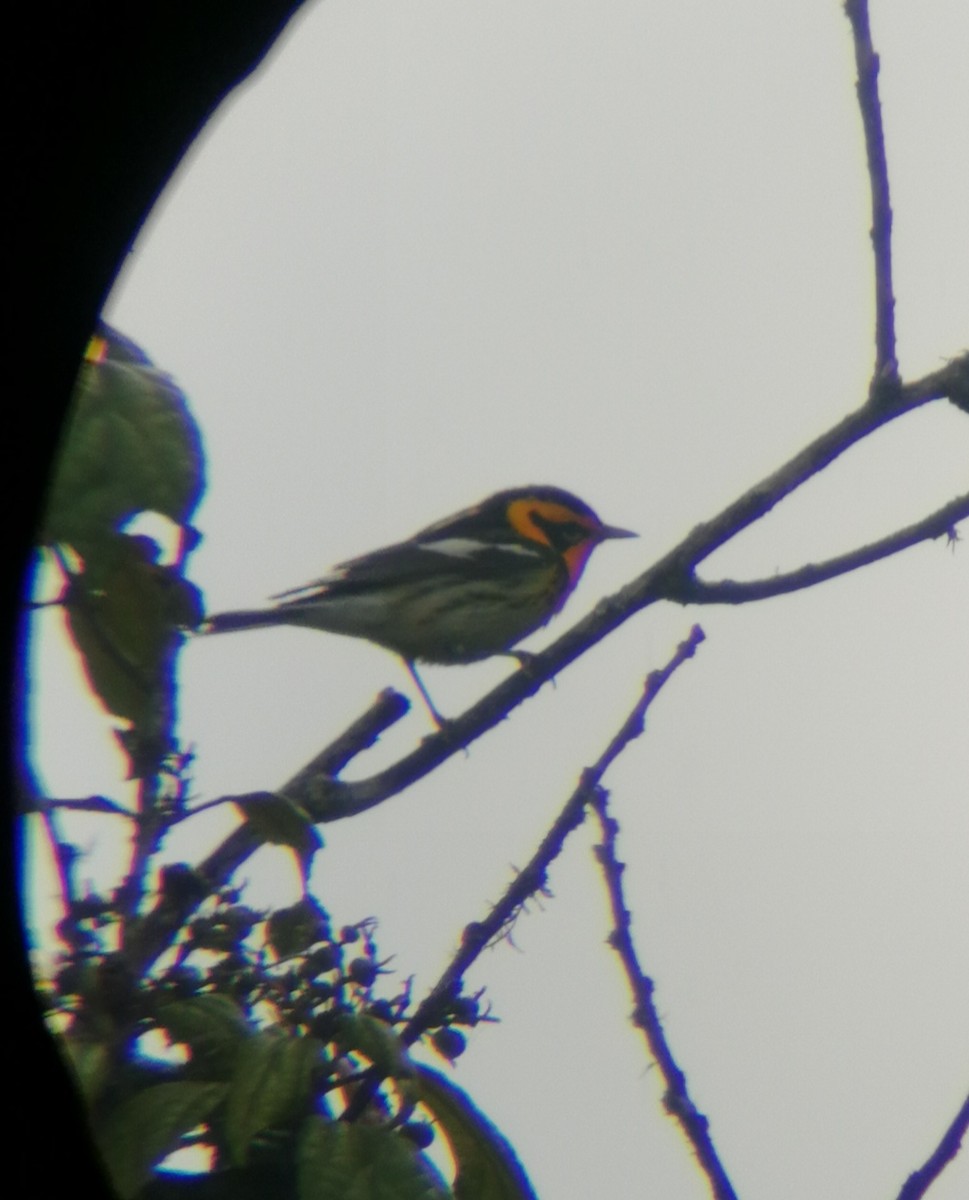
(362, 971)
(449, 1042)
(418, 1132)
(324, 958)
(465, 1010)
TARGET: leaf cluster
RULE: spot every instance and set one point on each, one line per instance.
(130, 447)
(269, 1023)
(245, 1043)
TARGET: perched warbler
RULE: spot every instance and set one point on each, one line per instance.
(463, 589)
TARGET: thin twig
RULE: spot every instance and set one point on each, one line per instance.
(677, 1100)
(728, 591)
(98, 804)
(885, 378)
(919, 1182)
(532, 878)
(386, 710)
(150, 827)
(160, 926)
(65, 858)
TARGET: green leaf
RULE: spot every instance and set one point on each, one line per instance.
(131, 445)
(270, 1087)
(127, 629)
(90, 1063)
(294, 929)
(282, 822)
(336, 1161)
(149, 1125)
(487, 1166)
(376, 1041)
(212, 1026)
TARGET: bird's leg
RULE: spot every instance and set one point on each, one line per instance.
(439, 721)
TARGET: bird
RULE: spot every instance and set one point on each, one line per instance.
(465, 588)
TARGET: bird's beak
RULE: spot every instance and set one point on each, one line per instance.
(610, 531)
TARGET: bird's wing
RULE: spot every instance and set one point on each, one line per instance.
(469, 558)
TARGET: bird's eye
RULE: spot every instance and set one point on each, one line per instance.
(570, 533)
(561, 534)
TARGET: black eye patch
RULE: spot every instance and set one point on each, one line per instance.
(561, 534)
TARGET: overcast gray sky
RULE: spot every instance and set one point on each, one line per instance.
(439, 248)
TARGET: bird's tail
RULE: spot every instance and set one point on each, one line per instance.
(249, 618)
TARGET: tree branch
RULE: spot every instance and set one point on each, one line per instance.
(670, 578)
(531, 879)
(727, 591)
(678, 1102)
(327, 798)
(386, 710)
(98, 804)
(885, 379)
(160, 926)
(919, 1182)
